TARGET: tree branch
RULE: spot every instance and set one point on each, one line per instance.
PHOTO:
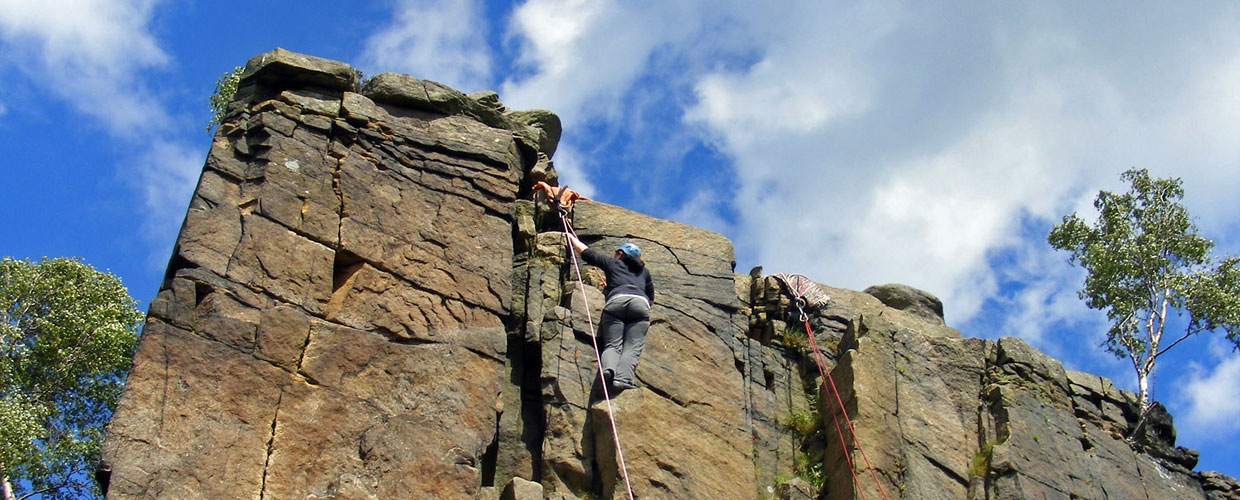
(67, 482)
(1186, 335)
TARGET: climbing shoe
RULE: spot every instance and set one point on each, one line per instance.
(620, 385)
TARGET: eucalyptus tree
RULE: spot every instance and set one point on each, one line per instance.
(1153, 275)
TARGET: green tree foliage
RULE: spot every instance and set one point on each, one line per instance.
(225, 89)
(67, 338)
(1147, 268)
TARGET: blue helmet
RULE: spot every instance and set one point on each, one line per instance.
(631, 250)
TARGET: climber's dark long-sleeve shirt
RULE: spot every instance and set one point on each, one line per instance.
(625, 276)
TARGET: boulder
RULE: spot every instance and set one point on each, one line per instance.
(795, 489)
(546, 122)
(520, 489)
(288, 69)
(907, 298)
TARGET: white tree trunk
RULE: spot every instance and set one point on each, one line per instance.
(8, 488)
(1143, 388)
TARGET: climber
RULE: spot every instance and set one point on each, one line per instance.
(561, 197)
(626, 314)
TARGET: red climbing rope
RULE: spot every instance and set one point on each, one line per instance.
(597, 357)
(817, 354)
(839, 432)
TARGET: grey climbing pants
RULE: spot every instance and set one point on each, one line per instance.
(623, 332)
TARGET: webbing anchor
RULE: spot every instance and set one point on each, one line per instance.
(800, 303)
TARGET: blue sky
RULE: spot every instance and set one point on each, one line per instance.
(927, 143)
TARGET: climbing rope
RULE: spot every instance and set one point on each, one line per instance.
(811, 296)
(816, 355)
(568, 229)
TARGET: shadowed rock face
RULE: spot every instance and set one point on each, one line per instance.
(364, 302)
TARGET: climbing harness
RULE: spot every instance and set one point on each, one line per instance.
(562, 198)
(807, 294)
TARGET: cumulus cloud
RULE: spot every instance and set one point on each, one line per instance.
(571, 55)
(1202, 125)
(1211, 396)
(90, 53)
(439, 40)
(96, 56)
(571, 172)
(702, 210)
(918, 167)
(167, 172)
(584, 58)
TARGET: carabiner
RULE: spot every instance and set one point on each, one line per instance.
(801, 303)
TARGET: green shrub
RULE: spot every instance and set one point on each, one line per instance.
(225, 89)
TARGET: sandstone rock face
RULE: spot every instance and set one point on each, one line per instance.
(365, 302)
(332, 323)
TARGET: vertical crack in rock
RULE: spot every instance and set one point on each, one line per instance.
(163, 403)
(747, 381)
(271, 446)
(301, 359)
(336, 188)
(991, 399)
(900, 468)
(533, 415)
(490, 456)
(979, 468)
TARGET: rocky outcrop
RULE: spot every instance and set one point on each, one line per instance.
(364, 301)
(907, 298)
(332, 323)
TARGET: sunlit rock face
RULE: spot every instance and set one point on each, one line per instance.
(366, 301)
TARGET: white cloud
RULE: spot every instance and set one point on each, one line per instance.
(166, 176)
(582, 58)
(569, 168)
(91, 53)
(788, 104)
(862, 175)
(903, 141)
(1202, 133)
(702, 211)
(97, 55)
(900, 141)
(1212, 396)
(439, 40)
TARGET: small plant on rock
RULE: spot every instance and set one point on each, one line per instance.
(225, 89)
(809, 467)
(981, 460)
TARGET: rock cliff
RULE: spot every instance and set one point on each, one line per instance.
(365, 302)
